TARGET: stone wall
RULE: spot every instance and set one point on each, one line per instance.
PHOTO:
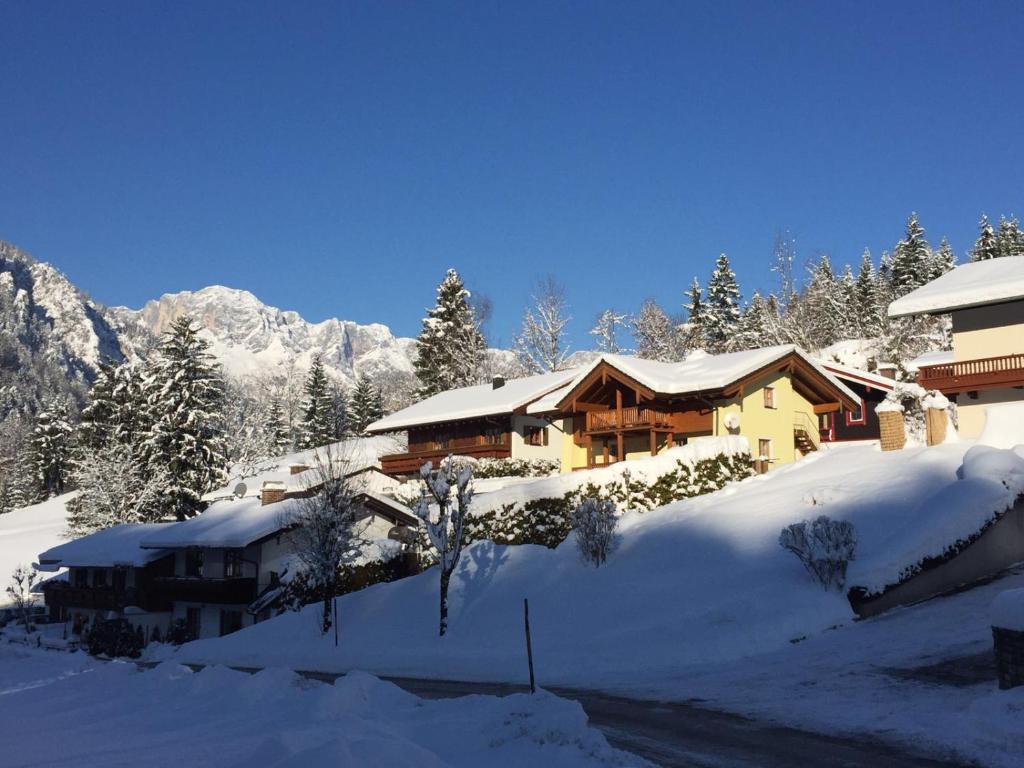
(892, 431)
(1009, 650)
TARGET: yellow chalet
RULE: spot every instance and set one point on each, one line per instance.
(620, 407)
(986, 302)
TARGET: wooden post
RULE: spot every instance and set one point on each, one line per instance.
(654, 443)
(620, 447)
(335, 601)
(529, 643)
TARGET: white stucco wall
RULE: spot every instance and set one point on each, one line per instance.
(551, 451)
(989, 331)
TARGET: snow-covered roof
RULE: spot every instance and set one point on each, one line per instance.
(547, 403)
(933, 357)
(704, 373)
(969, 285)
(230, 523)
(120, 545)
(859, 376)
(399, 510)
(474, 402)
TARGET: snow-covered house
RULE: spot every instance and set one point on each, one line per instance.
(860, 423)
(626, 407)
(502, 419)
(110, 576)
(620, 407)
(986, 301)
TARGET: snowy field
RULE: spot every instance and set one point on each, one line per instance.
(67, 710)
(694, 590)
(26, 532)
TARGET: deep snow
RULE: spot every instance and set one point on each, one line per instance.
(67, 710)
(26, 532)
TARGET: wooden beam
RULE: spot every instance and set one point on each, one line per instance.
(826, 408)
(620, 446)
(654, 443)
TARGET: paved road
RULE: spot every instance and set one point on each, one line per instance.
(688, 736)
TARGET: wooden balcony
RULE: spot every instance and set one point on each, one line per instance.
(632, 417)
(197, 589)
(104, 598)
(972, 375)
(410, 463)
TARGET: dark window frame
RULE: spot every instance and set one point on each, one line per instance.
(233, 563)
(852, 422)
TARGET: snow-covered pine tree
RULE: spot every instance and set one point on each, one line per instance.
(51, 449)
(986, 246)
(721, 311)
(1010, 237)
(317, 427)
(759, 325)
(540, 345)
(606, 331)
(693, 336)
(377, 409)
(114, 487)
(656, 336)
(276, 428)
(943, 260)
(186, 434)
(818, 316)
(96, 422)
(450, 347)
(848, 324)
(361, 405)
(865, 306)
(911, 259)
(340, 411)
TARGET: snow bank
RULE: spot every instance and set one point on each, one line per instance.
(1008, 610)
(26, 532)
(1004, 425)
(170, 716)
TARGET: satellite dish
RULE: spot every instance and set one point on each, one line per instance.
(240, 490)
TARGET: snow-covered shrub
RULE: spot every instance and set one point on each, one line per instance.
(486, 468)
(351, 577)
(21, 594)
(547, 520)
(180, 632)
(593, 522)
(824, 546)
(115, 638)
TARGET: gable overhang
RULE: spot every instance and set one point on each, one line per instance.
(807, 380)
(603, 372)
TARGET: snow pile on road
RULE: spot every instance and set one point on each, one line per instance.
(26, 532)
(1008, 610)
(80, 712)
(698, 581)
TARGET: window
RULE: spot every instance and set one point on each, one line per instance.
(99, 577)
(535, 435)
(764, 449)
(192, 624)
(81, 577)
(494, 436)
(230, 621)
(232, 563)
(856, 416)
(769, 397)
(194, 562)
(120, 579)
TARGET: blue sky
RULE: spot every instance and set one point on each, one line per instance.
(335, 158)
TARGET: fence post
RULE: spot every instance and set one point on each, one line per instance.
(529, 644)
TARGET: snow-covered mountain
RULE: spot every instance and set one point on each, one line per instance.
(49, 329)
(250, 337)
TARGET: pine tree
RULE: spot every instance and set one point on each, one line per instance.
(186, 434)
(758, 327)
(340, 412)
(450, 347)
(656, 336)
(276, 428)
(362, 405)
(986, 246)
(942, 260)
(693, 336)
(96, 423)
(911, 259)
(606, 331)
(377, 410)
(1010, 237)
(865, 306)
(721, 312)
(317, 423)
(51, 450)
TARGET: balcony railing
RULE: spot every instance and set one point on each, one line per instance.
(235, 591)
(627, 418)
(408, 463)
(104, 598)
(967, 375)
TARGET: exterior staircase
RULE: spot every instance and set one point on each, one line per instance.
(806, 436)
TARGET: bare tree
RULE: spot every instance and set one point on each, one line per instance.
(594, 522)
(325, 530)
(606, 330)
(449, 489)
(20, 592)
(540, 344)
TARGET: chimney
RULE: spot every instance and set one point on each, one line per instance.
(497, 382)
(271, 492)
(295, 469)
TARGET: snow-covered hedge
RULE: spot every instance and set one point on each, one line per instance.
(540, 512)
(488, 468)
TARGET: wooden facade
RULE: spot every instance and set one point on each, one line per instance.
(974, 375)
(81, 590)
(489, 438)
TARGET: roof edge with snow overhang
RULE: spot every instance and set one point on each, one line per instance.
(974, 284)
(860, 376)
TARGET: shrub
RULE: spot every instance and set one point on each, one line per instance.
(180, 633)
(594, 522)
(824, 546)
(115, 638)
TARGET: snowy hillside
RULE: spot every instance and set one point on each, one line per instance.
(26, 532)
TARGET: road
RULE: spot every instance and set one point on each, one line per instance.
(680, 735)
